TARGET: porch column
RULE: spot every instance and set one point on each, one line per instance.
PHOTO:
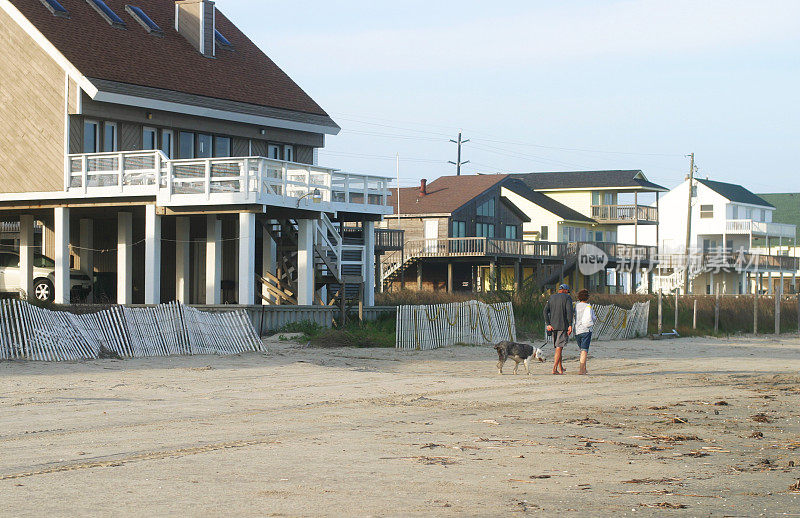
(636, 218)
(369, 266)
(493, 275)
(26, 252)
(152, 256)
(182, 254)
(419, 275)
(305, 262)
(247, 258)
(269, 253)
(449, 277)
(124, 258)
(213, 260)
(86, 253)
(518, 280)
(62, 281)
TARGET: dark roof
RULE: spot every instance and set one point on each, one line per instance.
(735, 192)
(445, 194)
(546, 202)
(133, 56)
(629, 179)
(449, 193)
(787, 207)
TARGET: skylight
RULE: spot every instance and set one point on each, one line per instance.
(107, 14)
(222, 40)
(55, 8)
(145, 21)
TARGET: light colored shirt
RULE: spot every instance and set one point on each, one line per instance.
(584, 318)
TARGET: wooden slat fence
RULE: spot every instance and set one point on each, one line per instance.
(472, 322)
(615, 323)
(32, 333)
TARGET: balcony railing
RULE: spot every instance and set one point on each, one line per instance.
(389, 239)
(731, 260)
(236, 180)
(749, 226)
(624, 214)
(617, 252)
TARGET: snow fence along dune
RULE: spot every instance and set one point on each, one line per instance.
(472, 322)
(29, 332)
(478, 323)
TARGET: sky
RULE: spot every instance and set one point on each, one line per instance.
(547, 85)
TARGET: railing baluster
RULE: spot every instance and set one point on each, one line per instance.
(121, 171)
(208, 178)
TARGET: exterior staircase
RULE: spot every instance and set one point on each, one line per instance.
(339, 263)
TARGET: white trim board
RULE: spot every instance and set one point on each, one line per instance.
(153, 104)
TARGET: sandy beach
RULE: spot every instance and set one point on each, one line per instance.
(690, 427)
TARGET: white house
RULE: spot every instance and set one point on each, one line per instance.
(731, 228)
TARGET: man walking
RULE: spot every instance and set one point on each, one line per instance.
(558, 315)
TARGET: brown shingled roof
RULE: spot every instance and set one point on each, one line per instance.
(133, 56)
(445, 194)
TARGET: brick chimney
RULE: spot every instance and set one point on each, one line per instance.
(423, 187)
(194, 20)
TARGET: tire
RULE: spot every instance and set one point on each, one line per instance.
(43, 290)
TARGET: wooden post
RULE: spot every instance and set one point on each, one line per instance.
(676, 310)
(777, 312)
(361, 302)
(694, 316)
(660, 311)
(755, 310)
(449, 277)
(342, 305)
(493, 275)
(716, 310)
(798, 313)
(419, 275)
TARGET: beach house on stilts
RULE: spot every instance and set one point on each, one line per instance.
(163, 156)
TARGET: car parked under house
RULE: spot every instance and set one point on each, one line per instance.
(168, 158)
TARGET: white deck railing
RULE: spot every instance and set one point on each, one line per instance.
(747, 226)
(212, 181)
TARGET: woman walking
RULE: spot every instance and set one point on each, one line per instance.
(584, 322)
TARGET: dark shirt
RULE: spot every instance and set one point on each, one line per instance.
(559, 311)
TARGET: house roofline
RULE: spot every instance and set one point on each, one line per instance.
(96, 94)
(48, 47)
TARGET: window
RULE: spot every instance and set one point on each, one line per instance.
(186, 144)
(91, 136)
(55, 8)
(222, 41)
(484, 230)
(273, 152)
(486, 208)
(222, 146)
(734, 212)
(288, 153)
(9, 260)
(167, 142)
(757, 215)
(109, 137)
(149, 139)
(511, 232)
(706, 211)
(598, 236)
(107, 14)
(149, 25)
(608, 198)
(595, 197)
(543, 235)
(459, 229)
(203, 148)
(694, 191)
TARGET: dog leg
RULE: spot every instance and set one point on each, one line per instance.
(527, 368)
(500, 366)
(516, 365)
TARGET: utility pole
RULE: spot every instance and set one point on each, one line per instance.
(459, 163)
(688, 227)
